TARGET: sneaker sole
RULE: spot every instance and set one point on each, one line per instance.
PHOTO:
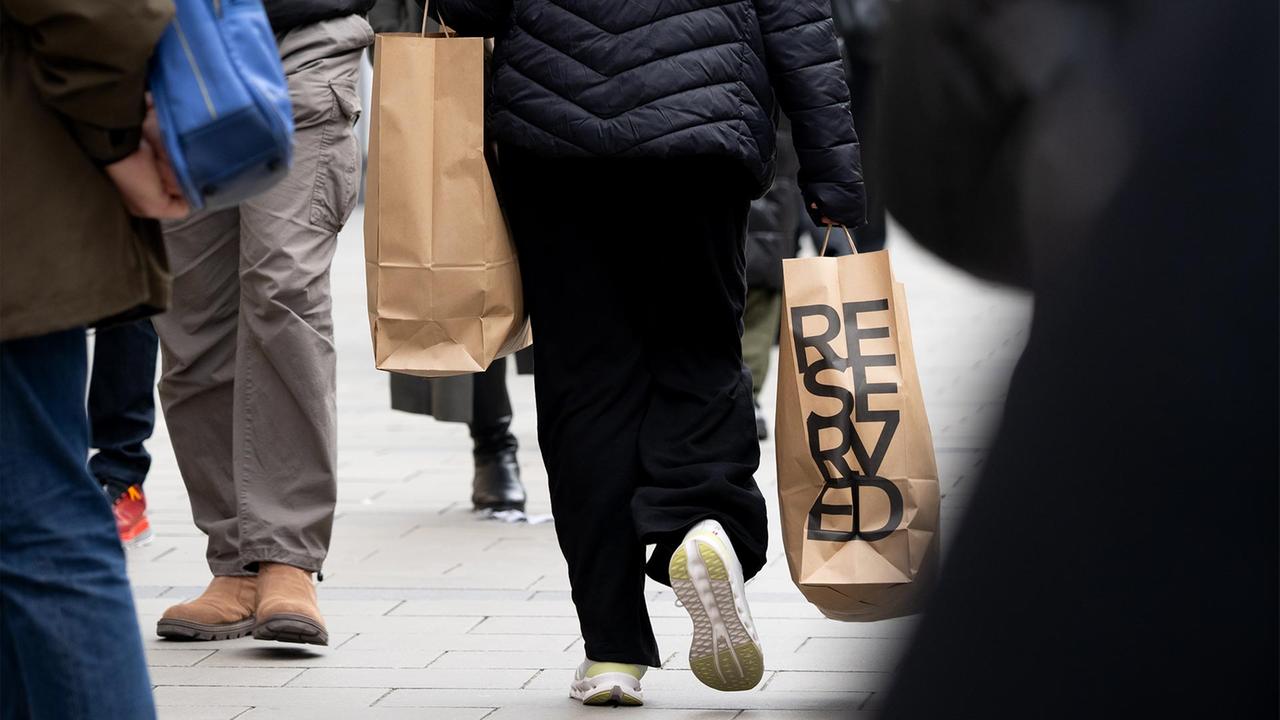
(608, 689)
(172, 629)
(143, 538)
(291, 628)
(723, 654)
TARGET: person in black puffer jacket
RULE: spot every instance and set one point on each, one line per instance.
(632, 138)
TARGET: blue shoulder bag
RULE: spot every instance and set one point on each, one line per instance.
(222, 101)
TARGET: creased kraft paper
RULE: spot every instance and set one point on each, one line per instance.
(443, 281)
(857, 477)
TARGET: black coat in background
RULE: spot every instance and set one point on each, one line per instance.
(286, 15)
(774, 219)
(673, 78)
(1119, 557)
(478, 399)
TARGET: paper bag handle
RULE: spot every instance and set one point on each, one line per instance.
(827, 238)
(440, 19)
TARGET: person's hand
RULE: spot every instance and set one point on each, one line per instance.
(151, 132)
(825, 220)
(140, 180)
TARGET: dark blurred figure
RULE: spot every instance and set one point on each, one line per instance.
(862, 25)
(484, 404)
(480, 400)
(1119, 557)
(388, 16)
(122, 415)
(771, 237)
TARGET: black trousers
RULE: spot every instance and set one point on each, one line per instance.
(491, 412)
(634, 279)
(122, 408)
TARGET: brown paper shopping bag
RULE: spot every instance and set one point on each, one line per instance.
(857, 478)
(443, 284)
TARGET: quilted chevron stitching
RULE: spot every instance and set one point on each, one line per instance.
(631, 69)
(524, 29)
(606, 34)
(512, 109)
(509, 62)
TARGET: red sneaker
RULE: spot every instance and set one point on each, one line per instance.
(130, 508)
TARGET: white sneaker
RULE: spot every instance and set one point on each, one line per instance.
(607, 683)
(707, 577)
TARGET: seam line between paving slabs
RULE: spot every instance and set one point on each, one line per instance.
(302, 672)
(765, 685)
(210, 654)
(164, 554)
(382, 697)
(531, 679)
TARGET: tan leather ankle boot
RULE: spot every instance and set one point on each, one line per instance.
(224, 611)
(287, 606)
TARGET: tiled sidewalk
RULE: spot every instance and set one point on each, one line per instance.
(436, 614)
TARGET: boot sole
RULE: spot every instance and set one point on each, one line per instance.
(172, 629)
(497, 506)
(291, 628)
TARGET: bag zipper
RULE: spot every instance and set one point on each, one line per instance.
(191, 60)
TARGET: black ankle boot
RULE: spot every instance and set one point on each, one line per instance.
(497, 483)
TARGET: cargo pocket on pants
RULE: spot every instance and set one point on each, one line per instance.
(338, 175)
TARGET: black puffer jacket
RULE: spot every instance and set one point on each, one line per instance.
(663, 78)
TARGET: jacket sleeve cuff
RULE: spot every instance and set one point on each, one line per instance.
(105, 145)
(845, 203)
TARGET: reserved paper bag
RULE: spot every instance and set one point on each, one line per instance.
(443, 283)
(857, 478)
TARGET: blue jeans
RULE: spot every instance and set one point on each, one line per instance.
(69, 641)
(122, 407)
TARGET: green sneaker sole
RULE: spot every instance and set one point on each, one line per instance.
(723, 654)
(616, 696)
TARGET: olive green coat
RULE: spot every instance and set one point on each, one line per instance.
(72, 80)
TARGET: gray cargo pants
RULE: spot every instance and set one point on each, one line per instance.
(249, 362)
